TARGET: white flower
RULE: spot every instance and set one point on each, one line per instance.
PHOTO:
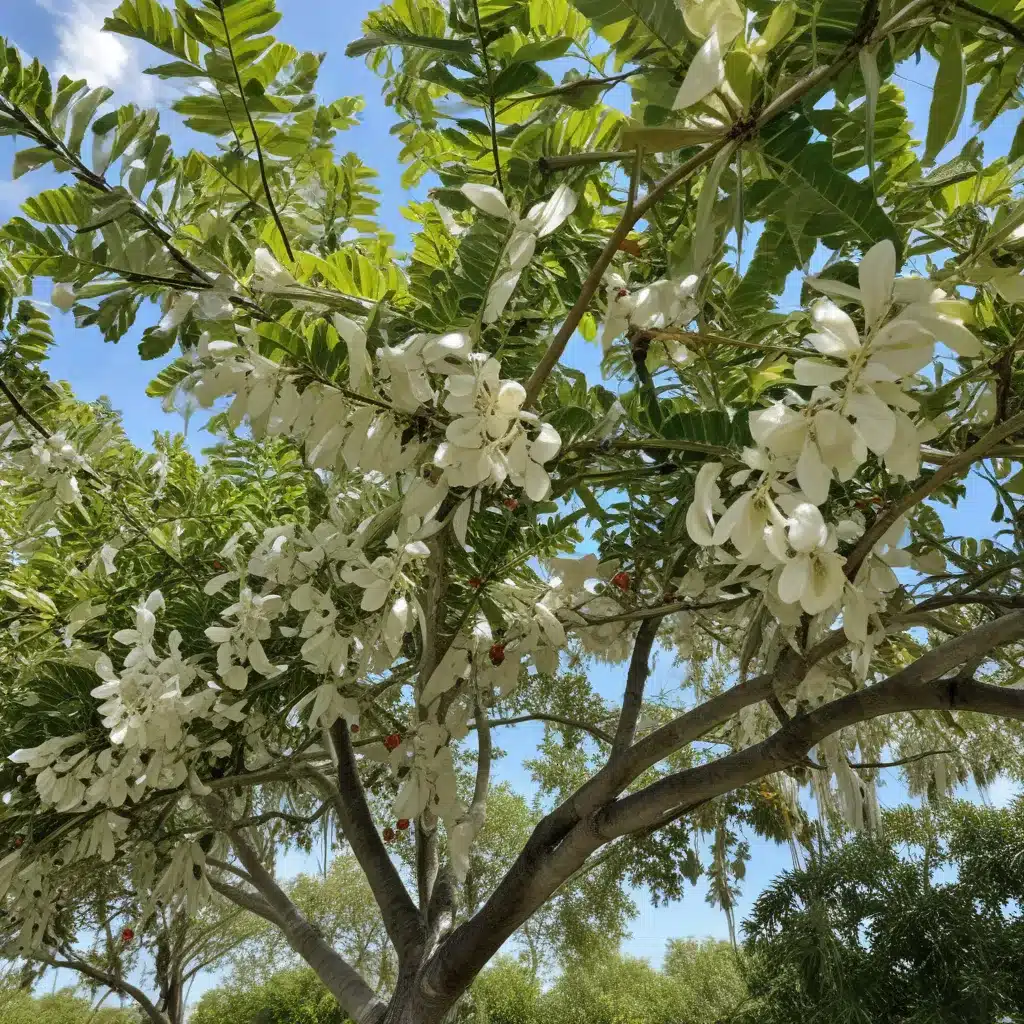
(63, 296)
(704, 16)
(408, 366)
(542, 220)
(700, 519)
(269, 275)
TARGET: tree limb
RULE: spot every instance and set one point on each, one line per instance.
(72, 963)
(354, 996)
(596, 731)
(636, 681)
(401, 919)
(952, 469)
(916, 688)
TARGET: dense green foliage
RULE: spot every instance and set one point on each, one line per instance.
(922, 924)
(293, 996)
(64, 1007)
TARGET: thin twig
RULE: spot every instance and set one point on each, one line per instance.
(490, 95)
(255, 134)
(993, 19)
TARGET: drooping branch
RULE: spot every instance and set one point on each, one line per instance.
(950, 471)
(864, 35)
(537, 716)
(116, 984)
(401, 919)
(255, 134)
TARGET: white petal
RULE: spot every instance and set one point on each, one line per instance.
(488, 199)
(813, 372)
(551, 215)
(537, 483)
(705, 74)
(355, 340)
(375, 595)
(875, 421)
(813, 476)
(877, 273)
(218, 583)
(807, 529)
(546, 444)
(794, 578)
(520, 249)
(838, 335)
(497, 298)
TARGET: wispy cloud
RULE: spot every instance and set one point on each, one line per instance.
(84, 50)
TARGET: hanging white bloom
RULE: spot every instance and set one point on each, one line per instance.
(543, 218)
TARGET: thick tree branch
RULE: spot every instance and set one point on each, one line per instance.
(250, 901)
(354, 996)
(401, 919)
(919, 687)
(636, 681)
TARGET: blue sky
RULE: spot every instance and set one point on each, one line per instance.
(65, 35)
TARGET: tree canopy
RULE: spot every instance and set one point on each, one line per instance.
(419, 525)
(918, 922)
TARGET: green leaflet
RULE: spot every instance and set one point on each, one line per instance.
(396, 35)
(949, 97)
(846, 208)
(660, 19)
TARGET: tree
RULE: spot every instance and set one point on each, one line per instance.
(63, 1007)
(99, 930)
(380, 559)
(921, 922)
(292, 996)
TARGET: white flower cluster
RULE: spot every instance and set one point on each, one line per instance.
(658, 306)
(775, 531)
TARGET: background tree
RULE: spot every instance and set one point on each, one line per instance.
(919, 922)
(381, 558)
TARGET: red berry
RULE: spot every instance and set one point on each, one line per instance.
(127, 935)
(621, 580)
(354, 727)
(218, 565)
(402, 823)
(497, 654)
(475, 582)
(511, 504)
(393, 742)
(18, 841)
(389, 834)
(622, 293)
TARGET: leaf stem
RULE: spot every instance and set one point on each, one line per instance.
(490, 95)
(255, 134)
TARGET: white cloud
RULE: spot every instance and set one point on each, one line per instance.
(101, 58)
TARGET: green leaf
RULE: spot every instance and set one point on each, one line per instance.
(155, 343)
(664, 140)
(397, 36)
(872, 83)
(82, 113)
(713, 429)
(26, 160)
(949, 96)
(847, 208)
(630, 20)
(153, 23)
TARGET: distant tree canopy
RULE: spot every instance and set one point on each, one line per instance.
(921, 923)
(18, 1006)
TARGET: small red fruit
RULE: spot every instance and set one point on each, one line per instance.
(18, 841)
(393, 742)
(497, 654)
(354, 727)
(511, 504)
(127, 935)
(402, 823)
(621, 580)
(218, 565)
(475, 582)
(389, 834)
